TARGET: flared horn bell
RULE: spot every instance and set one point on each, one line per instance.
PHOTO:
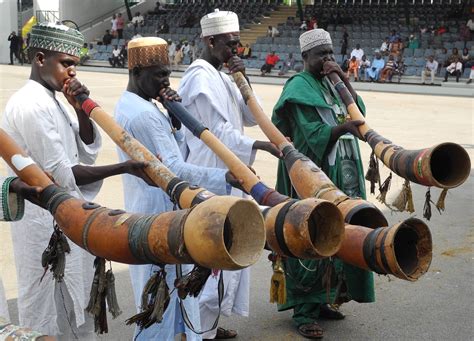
(225, 233)
(403, 250)
(306, 229)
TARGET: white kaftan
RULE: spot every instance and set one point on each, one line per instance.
(144, 121)
(42, 126)
(215, 100)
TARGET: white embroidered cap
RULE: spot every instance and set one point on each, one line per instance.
(313, 38)
(219, 22)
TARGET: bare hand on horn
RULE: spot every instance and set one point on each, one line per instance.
(236, 183)
(236, 64)
(169, 95)
(268, 147)
(31, 193)
(332, 66)
(352, 127)
(71, 88)
(137, 168)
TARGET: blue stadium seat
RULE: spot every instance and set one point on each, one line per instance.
(110, 48)
(102, 48)
(408, 52)
(115, 41)
(419, 53)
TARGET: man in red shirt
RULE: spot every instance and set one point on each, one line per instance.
(270, 62)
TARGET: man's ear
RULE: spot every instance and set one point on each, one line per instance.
(40, 58)
(211, 41)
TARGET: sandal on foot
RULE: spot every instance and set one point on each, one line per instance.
(225, 333)
(311, 330)
(330, 312)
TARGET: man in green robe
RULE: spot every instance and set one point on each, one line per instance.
(313, 116)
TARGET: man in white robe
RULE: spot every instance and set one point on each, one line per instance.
(58, 142)
(160, 134)
(211, 97)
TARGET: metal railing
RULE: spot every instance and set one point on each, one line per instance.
(47, 16)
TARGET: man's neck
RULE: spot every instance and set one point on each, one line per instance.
(216, 63)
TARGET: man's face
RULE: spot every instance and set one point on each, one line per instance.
(316, 57)
(224, 45)
(431, 59)
(56, 68)
(152, 79)
(357, 46)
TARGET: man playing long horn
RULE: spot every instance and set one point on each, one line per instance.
(138, 113)
(58, 142)
(211, 96)
(311, 113)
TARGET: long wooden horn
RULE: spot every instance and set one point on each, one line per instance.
(308, 228)
(188, 196)
(194, 235)
(445, 165)
(306, 177)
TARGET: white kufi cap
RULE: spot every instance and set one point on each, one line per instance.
(219, 23)
(313, 38)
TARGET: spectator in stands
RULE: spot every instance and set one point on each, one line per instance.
(178, 57)
(163, 28)
(453, 69)
(288, 64)
(273, 32)
(136, 35)
(465, 58)
(123, 55)
(394, 36)
(107, 38)
(158, 10)
(454, 56)
(387, 71)
(171, 51)
(344, 41)
(270, 61)
(353, 68)
(84, 54)
(413, 42)
(120, 26)
(471, 75)
(363, 67)
(385, 48)
(345, 63)
(441, 29)
(357, 52)
(247, 52)
(92, 51)
(14, 46)
(377, 65)
(115, 59)
(138, 20)
(189, 20)
(304, 25)
(21, 49)
(313, 23)
(113, 24)
(431, 67)
(396, 48)
(399, 69)
(193, 51)
(470, 25)
(185, 48)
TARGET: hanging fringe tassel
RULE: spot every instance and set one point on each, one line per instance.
(96, 306)
(441, 199)
(278, 283)
(384, 189)
(404, 200)
(427, 206)
(155, 299)
(55, 255)
(373, 173)
(112, 301)
(193, 282)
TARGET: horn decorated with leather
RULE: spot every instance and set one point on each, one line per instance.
(306, 177)
(403, 250)
(309, 228)
(446, 165)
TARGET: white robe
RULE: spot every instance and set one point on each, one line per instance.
(215, 100)
(42, 126)
(144, 121)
